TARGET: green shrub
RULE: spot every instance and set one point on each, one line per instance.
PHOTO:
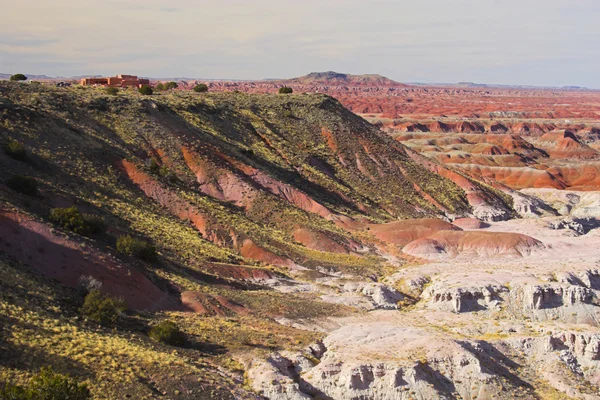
(201, 88)
(169, 333)
(285, 90)
(23, 184)
(83, 224)
(136, 247)
(159, 86)
(152, 165)
(18, 77)
(47, 385)
(102, 308)
(113, 91)
(146, 90)
(171, 85)
(69, 218)
(95, 223)
(16, 150)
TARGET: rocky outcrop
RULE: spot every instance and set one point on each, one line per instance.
(558, 301)
(464, 299)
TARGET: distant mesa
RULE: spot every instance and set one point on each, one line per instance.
(332, 78)
(116, 81)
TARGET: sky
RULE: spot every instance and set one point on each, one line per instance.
(526, 42)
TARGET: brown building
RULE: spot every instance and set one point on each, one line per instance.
(116, 81)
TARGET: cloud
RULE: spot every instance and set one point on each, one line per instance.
(429, 40)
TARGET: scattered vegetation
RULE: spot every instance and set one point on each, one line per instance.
(136, 247)
(18, 77)
(83, 224)
(255, 132)
(16, 150)
(101, 308)
(201, 88)
(47, 385)
(113, 91)
(146, 90)
(23, 184)
(167, 332)
(285, 90)
(163, 172)
(166, 86)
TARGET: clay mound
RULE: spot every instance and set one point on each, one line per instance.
(565, 145)
(516, 178)
(445, 244)
(412, 127)
(469, 127)
(403, 232)
(320, 241)
(470, 223)
(206, 304)
(439, 127)
(59, 257)
(579, 177)
(510, 144)
(489, 149)
(428, 248)
(250, 250)
(530, 128)
(508, 160)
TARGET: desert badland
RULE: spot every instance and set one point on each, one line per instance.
(300, 211)
(358, 238)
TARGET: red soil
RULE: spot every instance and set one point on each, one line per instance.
(240, 183)
(66, 260)
(319, 241)
(250, 250)
(187, 211)
(470, 223)
(565, 145)
(517, 178)
(404, 232)
(206, 304)
(474, 243)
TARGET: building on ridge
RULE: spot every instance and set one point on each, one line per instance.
(116, 81)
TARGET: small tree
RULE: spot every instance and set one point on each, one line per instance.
(285, 90)
(23, 184)
(16, 150)
(146, 90)
(47, 385)
(101, 308)
(18, 77)
(136, 247)
(113, 91)
(167, 332)
(201, 88)
(159, 86)
(171, 85)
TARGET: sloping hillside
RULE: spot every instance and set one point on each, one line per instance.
(237, 193)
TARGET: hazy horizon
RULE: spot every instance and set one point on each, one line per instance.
(489, 41)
